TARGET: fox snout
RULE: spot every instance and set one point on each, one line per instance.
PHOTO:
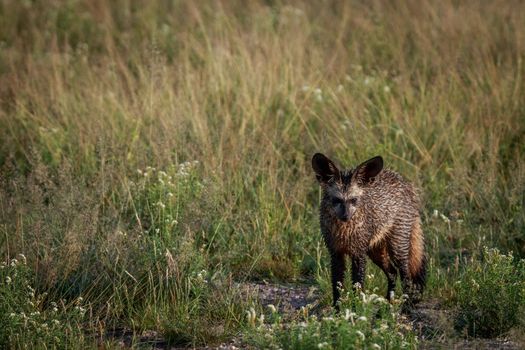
(344, 212)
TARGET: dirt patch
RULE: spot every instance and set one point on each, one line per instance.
(288, 299)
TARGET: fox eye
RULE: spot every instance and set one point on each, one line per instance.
(337, 201)
(353, 200)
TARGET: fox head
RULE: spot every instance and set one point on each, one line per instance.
(344, 188)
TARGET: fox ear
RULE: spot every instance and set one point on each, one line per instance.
(325, 169)
(369, 169)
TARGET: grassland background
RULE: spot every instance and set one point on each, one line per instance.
(92, 93)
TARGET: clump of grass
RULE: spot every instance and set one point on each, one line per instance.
(366, 321)
(88, 94)
(28, 320)
(490, 295)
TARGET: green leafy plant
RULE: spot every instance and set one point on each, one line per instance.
(365, 321)
(27, 320)
(490, 296)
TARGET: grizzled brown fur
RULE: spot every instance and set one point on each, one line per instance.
(374, 212)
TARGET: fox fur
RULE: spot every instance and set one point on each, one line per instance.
(374, 212)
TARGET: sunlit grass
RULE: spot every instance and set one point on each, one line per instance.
(143, 142)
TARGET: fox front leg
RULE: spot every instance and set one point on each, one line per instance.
(338, 275)
(358, 270)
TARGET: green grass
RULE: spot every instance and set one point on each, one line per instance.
(490, 295)
(366, 321)
(143, 142)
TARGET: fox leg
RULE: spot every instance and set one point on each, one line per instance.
(338, 275)
(358, 270)
(380, 257)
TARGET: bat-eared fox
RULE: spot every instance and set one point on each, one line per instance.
(374, 212)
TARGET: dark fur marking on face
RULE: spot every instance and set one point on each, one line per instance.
(346, 178)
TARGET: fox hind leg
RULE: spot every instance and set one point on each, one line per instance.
(379, 255)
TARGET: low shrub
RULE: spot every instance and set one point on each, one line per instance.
(366, 321)
(28, 320)
(490, 296)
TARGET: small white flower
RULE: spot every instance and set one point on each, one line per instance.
(391, 295)
(361, 335)
(362, 318)
(435, 213)
(376, 346)
(272, 308)
(12, 314)
(386, 89)
(170, 194)
(8, 280)
(322, 345)
(23, 257)
(347, 314)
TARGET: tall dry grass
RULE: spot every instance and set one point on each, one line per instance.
(91, 91)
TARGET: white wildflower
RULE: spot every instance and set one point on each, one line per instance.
(445, 219)
(435, 213)
(8, 280)
(361, 335)
(386, 89)
(376, 346)
(23, 258)
(362, 318)
(347, 314)
(272, 308)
